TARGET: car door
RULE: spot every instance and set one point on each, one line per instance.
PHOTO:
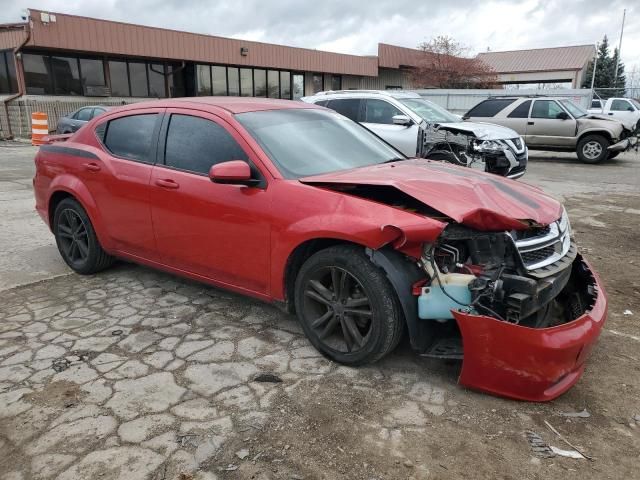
(119, 179)
(378, 116)
(546, 128)
(217, 231)
(622, 110)
(517, 118)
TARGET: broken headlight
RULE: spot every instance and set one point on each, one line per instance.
(489, 146)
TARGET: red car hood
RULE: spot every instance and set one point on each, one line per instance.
(479, 200)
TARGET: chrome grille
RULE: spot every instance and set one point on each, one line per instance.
(543, 246)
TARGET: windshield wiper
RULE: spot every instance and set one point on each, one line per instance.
(395, 159)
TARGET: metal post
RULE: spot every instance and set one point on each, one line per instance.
(615, 75)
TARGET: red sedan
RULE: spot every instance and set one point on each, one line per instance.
(295, 204)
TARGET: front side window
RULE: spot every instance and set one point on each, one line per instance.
(490, 108)
(521, 111)
(195, 144)
(621, 106)
(545, 109)
(84, 114)
(304, 142)
(349, 107)
(130, 137)
(379, 111)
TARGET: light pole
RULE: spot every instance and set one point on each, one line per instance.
(615, 75)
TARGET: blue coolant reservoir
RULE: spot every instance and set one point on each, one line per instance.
(434, 304)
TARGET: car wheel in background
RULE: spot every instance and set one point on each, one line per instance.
(76, 239)
(347, 307)
(593, 148)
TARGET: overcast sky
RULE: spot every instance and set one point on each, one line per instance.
(356, 26)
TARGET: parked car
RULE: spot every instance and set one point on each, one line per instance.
(420, 128)
(626, 110)
(76, 119)
(556, 124)
(297, 205)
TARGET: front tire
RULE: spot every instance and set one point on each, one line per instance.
(593, 149)
(76, 239)
(347, 307)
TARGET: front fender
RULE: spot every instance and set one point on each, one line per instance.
(76, 188)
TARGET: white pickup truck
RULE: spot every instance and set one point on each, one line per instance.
(625, 110)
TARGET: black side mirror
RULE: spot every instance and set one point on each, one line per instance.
(563, 116)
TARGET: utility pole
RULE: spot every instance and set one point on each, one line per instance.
(615, 75)
(593, 74)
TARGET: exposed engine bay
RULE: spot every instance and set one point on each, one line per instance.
(529, 278)
(449, 142)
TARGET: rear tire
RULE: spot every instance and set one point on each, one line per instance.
(593, 149)
(358, 321)
(76, 239)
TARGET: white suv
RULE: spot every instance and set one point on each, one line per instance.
(419, 128)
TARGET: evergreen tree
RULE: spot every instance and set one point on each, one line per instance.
(605, 71)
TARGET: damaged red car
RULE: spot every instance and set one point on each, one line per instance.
(295, 204)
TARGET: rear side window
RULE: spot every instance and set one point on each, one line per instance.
(84, 114)
(130, 137)
(349, 107)
(379, 111)
(195, 144)
(490, 108)
(521, 111)
(595, 104)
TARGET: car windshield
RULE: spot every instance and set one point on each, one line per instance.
(574, 109)
(635, 102)
(431, 112)
(304, 142)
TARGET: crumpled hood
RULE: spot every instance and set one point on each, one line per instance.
(479, 200)
(483, 131)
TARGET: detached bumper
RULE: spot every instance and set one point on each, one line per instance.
(527, 363)
(623, 145)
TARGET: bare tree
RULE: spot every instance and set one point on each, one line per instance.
(445, 63)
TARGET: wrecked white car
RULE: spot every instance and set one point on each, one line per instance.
(420, 128)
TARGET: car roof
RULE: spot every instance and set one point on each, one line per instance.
(231, 104)
(364, 93)
(524, 97)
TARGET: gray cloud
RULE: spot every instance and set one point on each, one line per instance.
(356, 26)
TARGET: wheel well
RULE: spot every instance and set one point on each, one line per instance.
(297, 258)
(55, 199)
(602, 133)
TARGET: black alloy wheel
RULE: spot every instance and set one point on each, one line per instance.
(74, 238)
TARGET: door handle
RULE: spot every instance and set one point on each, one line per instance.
(531, 123)
(92, 167)
(167, 183)
(610, 113)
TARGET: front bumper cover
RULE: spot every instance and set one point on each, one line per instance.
(528, 363)
(623, 145)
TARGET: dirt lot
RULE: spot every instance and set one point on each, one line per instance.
(134, 374)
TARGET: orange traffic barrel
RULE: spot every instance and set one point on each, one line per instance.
(39, 127)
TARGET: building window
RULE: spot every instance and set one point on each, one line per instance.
(336, 82)
(316, 82)
(273, 83)
(138, 79)
(37, 74)
(233, 81)
(298, 85)
(176, 80)
(246, 82)
(119, 79)
(92, 72)
(260, 82)
(66, 76)
(8, 83)
(156, 80)
(219, 80)
(204, 80)
(285, 85)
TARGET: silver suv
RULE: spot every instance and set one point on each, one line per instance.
(556, 124)
(419, 128)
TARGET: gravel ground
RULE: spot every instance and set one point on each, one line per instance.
(134, 374)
